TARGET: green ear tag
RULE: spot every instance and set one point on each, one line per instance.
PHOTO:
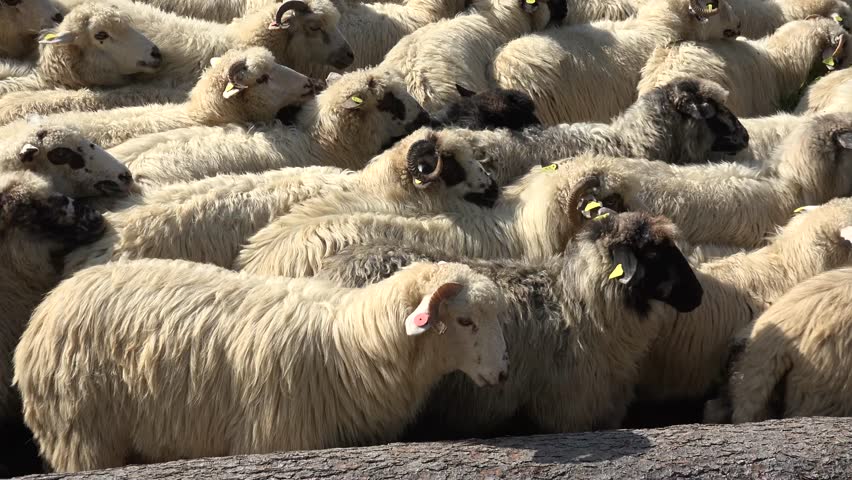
(617, 272)
(710, 7)
(592, 205)
(357, 99)
(837, 18)
(829, 62)
(550, 168)
(601, 217)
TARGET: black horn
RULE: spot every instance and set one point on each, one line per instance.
(297, 6)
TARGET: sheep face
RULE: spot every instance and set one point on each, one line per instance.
(371, 108)
(634, 257)
(818, 154)
(460, 310)
(20, 23)
(106, 49)
(442, 166)
(710, 20)
(248, 86)
(312, 35)
(75, 166)
(704, 102)
(496, 108)
(28, 202)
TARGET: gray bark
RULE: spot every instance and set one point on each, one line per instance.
(811, 448)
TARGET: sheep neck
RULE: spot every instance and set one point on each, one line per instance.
(332, 142)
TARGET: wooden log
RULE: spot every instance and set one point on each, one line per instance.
(809, 448)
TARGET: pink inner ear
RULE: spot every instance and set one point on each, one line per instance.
(421, 319)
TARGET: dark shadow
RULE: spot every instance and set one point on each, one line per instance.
(18, 450)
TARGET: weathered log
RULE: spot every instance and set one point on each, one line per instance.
(812, 448)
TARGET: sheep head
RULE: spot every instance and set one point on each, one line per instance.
(462, 308)
(96, 46)
(75, 166)
(300, 33)
(704, 101)
(635, 255)
(248, 86)
(20, 23)
(708, 20)
(27, 201)
(363, 113)
(495, 108)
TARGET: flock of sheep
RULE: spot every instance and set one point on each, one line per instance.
(241, 226)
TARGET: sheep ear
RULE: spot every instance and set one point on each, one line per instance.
(419, 320)
(845, 140)
(332, 77)
(58, 38)
(832, 54)
(425, 316)
(28, 153)
(626, 268)
(464, 92)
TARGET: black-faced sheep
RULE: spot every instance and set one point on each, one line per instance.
(184, 221)
(589, 73)
(95, 45)
(760, 74)
(293, 365)
(20, 23)
(490, 109)
(797, 351)
(579, 325)
(530, 221)
(435, 58)
(243, 86)
(37, 226)
(355, 118)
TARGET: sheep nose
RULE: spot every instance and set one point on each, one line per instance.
(503, 376)
(155, 52)
(126, 178)
(58, 18)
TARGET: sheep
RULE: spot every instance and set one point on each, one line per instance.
(77, 167)
(242, 87)
(577, 331)
(20, 23)
(353, 366)
(682, 122)
(723, 204)
(796, 350)
(95, 45)
(299, 33)
(184, 221)
(687, 348)
(589, 73)
(831, 93)
(762, 18)
(431, 69)
(356, 117)
(14, 68)
(490, 109)
(688, 359)
(778, 65)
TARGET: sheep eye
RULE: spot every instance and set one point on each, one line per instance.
(263, 79)
(465, 322)
(101, 36)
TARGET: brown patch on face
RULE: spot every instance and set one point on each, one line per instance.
(66, 156)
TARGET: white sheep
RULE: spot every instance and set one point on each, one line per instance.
(15, 68)
(716, 204)
(95, 45)
(831, 93)
(299, 33)
(583, 73)
(244, 86)
(762, 17)
(36, 225)
(435, 58)
(797, 348)
(294, 364)
(760, 74)
(184, 221)
(688, 358)
(20, 23)
(355, 118)
(578, 326)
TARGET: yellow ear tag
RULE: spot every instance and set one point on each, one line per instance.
(550, 168)
(418, 182)
(617, 272)
(601, 217)
(592, 205)
(829, 62)
(357, 100)
(837, 18)
(710, 7)
(799, 210)
(230, 86)
(531, 2)
(50, 36)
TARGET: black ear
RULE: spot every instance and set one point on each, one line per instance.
(689, 102)
(658, 272)
(66, 156)
(626, 267)
(464, 92)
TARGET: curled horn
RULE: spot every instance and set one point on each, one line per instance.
(234, 71)
(444, 292)
(575, 217)
(698, 8)
(297, 6)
